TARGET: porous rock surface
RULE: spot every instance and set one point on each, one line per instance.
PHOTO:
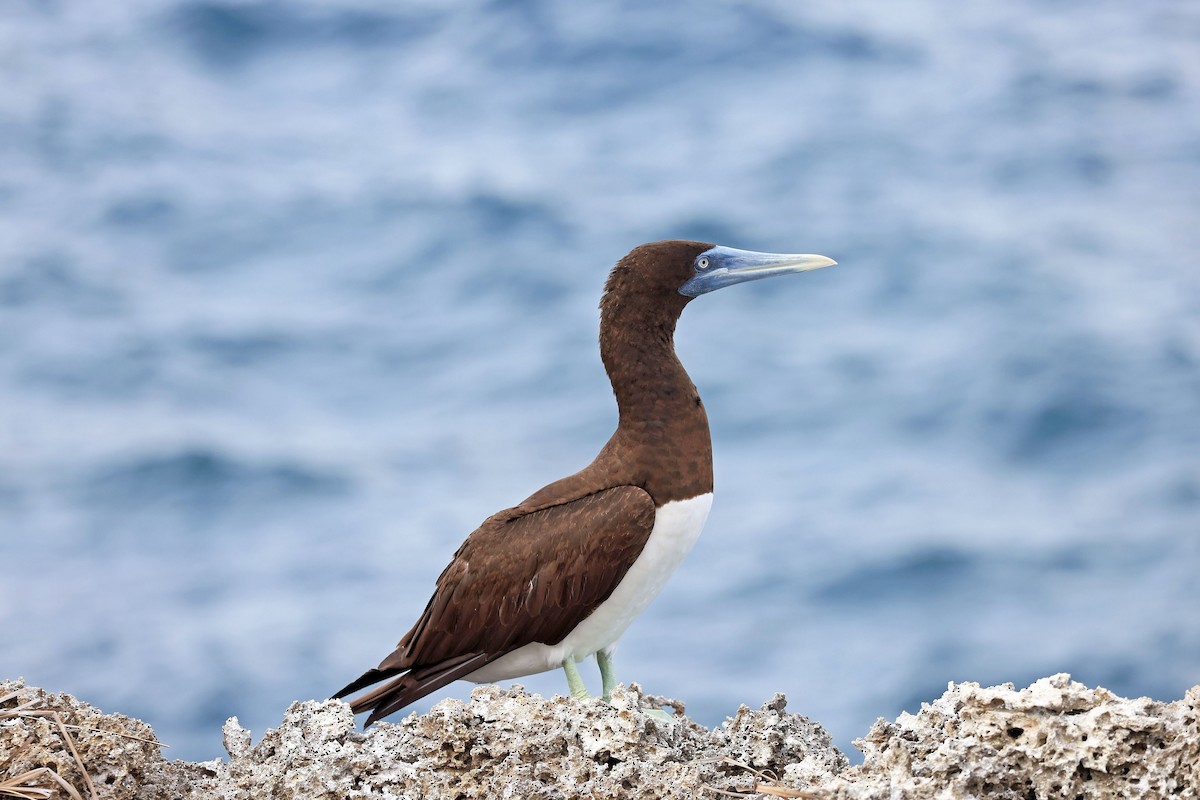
(120, 753)
(504, 743)
(1054, 739)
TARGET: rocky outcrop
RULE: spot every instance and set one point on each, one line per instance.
(1055, 738)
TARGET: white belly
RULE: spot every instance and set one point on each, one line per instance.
(677, 525)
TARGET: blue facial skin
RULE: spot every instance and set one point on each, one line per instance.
(719, 267)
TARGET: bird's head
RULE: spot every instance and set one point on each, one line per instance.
(665, 276)
(717, 267)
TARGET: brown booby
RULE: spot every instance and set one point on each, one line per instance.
(561, 576)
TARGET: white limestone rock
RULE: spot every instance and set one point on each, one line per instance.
(1053, 739)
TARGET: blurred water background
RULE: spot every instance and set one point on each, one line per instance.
(294, 294)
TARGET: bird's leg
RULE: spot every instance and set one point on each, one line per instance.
(574, 680)
(607, 679)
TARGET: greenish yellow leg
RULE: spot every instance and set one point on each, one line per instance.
(574, 680)
(607, 679)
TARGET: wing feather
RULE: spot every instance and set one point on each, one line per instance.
(528, 574)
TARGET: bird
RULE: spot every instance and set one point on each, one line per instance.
(559, 577)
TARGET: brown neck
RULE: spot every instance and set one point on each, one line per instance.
(662, 437)
(661, 443)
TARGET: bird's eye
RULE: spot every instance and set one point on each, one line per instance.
(702, 262)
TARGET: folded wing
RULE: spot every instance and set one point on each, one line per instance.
(528, 574)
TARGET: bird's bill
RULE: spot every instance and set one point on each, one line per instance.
(719, 267)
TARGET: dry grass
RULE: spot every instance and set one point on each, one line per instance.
(41, 783)
(767, 783)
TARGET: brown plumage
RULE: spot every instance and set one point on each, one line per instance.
(496, 596)
(533, 573)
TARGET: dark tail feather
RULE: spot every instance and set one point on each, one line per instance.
(409, 687)
(415, 684)
(369, 677)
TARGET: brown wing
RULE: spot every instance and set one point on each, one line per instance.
(524, 576)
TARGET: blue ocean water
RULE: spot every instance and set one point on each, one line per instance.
(292, 296)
